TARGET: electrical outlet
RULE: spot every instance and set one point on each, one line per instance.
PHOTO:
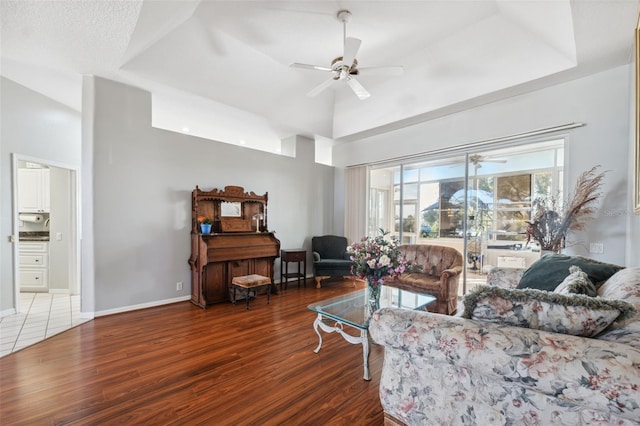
(179, 286)
(596, 248)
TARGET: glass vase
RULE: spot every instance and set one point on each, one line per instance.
(373, 295)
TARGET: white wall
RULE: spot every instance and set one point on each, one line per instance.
(601, 101)
(142, 183)
(35, 126)
(61, 224)
(144, 176)
(633, 220)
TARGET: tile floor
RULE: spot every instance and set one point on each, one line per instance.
(41, 315)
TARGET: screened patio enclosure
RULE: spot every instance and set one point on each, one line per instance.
(476, 202)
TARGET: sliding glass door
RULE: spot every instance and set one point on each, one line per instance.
(476, 202)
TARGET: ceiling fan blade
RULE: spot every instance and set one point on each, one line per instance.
(321, 87)
(392, 70)
(357, 88)
(309, 67)
(351, 46)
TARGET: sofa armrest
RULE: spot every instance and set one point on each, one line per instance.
(504, 277)
(604, 376)
(449, 283)
(452, 272)
(316, 256)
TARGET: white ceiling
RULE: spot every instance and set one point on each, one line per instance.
(231, 58)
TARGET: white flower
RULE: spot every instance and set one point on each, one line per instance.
(377, 257)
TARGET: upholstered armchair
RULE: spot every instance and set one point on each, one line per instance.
(434, 270)
(330, 258)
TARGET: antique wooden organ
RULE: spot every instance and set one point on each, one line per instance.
(239, 243)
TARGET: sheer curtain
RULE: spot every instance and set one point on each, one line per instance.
(355, 203)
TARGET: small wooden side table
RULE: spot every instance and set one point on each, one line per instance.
(293, 255)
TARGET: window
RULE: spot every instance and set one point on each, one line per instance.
(513, 206)
(429, 210)
(423, 202)
(451, 208)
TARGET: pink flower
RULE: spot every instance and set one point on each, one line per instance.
(539, 364)
(474, 340)
(530, 418)
(406, 405)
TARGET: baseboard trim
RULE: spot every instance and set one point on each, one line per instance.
(8, 312)
(141, 306)
(58, 291)
(277, 280)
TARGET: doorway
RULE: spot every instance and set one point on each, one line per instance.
(45, 230)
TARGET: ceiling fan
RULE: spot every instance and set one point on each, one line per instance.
(477, 159)
(345, 67)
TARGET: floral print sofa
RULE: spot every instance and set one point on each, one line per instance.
(442, 370)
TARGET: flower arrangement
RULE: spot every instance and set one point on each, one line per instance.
(204, 220)
(377, 258)
(552, 220)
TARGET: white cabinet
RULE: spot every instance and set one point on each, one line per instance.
(33, 190)
(46, 190)
(511, 262)
(510, 258)
(34, 266)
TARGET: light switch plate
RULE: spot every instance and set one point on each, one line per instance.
(596, 248)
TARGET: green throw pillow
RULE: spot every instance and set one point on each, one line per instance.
(551, 269)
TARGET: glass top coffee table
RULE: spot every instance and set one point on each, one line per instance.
(352, 310)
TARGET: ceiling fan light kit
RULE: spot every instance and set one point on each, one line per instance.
(345, 67)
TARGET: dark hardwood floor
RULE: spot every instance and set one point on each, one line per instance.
(179, 364)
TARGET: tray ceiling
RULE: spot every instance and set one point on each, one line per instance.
(234, 56)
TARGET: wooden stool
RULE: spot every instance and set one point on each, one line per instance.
(248, 283)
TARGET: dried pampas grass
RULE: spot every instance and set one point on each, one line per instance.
(552, 220)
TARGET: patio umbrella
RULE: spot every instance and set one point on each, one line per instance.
(434, 206)
(483, 197)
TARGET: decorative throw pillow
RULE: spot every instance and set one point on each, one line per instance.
(577, 282)
(626, 331)
(623, 285)
(577, 314)
(549, 271)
